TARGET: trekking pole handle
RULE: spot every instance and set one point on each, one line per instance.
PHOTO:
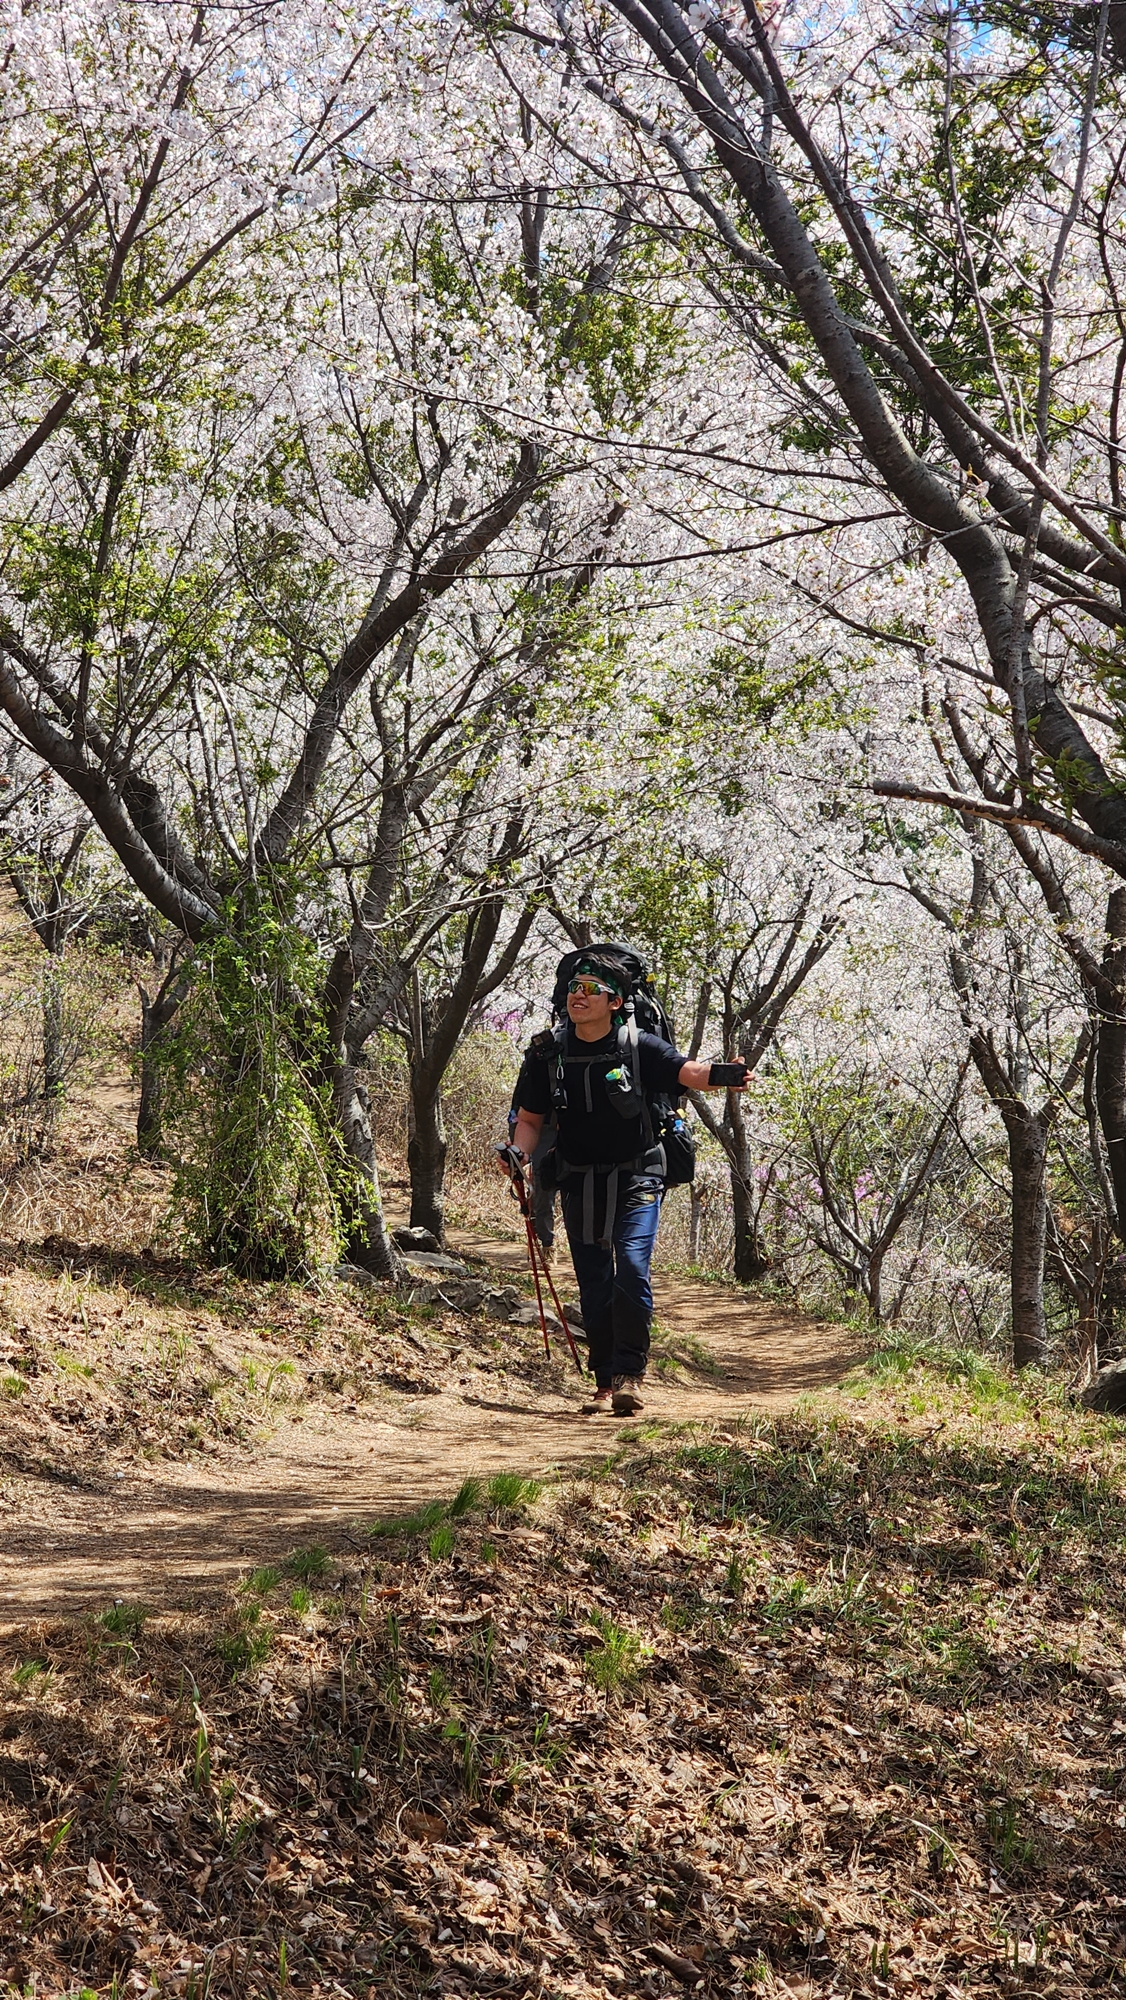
(512, 1160)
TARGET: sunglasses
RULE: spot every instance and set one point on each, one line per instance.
(592, 987)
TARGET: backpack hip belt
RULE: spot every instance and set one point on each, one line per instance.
(652, 1162)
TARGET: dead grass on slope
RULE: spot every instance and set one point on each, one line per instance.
(91, 1186)
(824, 1706)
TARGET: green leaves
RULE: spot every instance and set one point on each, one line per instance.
(261, 1183)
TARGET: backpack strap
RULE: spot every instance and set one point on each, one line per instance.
(611, 1205)
(562, 1059)
(631, 1050)
(627, 1041)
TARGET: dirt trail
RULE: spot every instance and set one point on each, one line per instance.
(177, 1532)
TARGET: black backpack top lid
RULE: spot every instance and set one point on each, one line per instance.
(629, 971)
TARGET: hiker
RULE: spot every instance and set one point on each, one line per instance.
(596, 1119)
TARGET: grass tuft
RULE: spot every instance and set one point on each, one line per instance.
(124, 1621)
(402, 1527)
(29, 1672)
(467, 1497)
(306, 1563)
(261, 1581)
(69, 1364)
(507, 1491)
(247, 1645)
(619, 1657)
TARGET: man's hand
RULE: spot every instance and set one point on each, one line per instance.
(511, 1161)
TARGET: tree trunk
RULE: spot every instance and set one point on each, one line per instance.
(1027, 1132)
(1090, 1300)
(1110, 1061)
(150, 1110)
(369, 1244)
(1028, 1157)
(695, 1225)
(872, 1284)
(426, 1152)
(54, 1078)
(751, 1258)
(1078, 1262)
(436, 1027)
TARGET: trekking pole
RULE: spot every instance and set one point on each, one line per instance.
(537, 1247)
(514, 1164)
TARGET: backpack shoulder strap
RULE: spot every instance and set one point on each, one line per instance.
(631, 1052)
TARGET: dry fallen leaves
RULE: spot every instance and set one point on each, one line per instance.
(835, 1760)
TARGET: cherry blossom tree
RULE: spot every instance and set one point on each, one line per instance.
(914, 232)
(228, 545)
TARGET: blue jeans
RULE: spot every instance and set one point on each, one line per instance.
(614, 1288)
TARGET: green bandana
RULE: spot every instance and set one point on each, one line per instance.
(587, 968)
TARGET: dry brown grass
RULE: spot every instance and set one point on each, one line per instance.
(92, 1187)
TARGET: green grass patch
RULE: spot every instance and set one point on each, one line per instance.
(465, 1500)
(307, 1563)
(618, 1658)
(507, 1491)
(262, 1377)
(69, 1364)
(405, 1527)
(504, 1493)
(32, 1676)
(247, 1644)
(261, 1581)
(122, 1621)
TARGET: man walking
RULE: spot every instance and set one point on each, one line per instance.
(600, 1150)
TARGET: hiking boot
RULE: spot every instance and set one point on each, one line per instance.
(627, 1396)
(600, 1404)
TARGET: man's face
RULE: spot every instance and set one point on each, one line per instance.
(591, 1001)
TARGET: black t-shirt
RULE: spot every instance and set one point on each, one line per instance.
(591, 1131)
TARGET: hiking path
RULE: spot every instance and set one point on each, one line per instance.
(178, 1532)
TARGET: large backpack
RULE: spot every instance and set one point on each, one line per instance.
(670, 1149)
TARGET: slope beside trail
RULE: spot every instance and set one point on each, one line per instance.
(177, 1531)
